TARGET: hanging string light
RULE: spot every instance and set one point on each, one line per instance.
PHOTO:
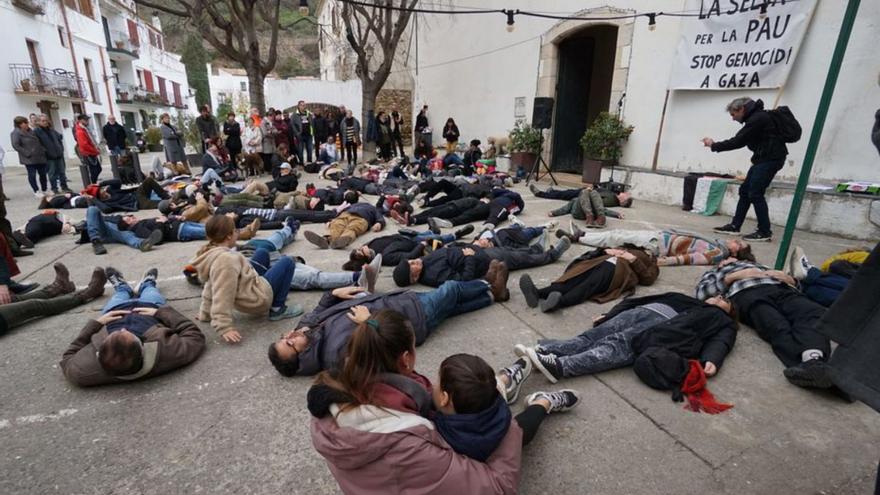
(304, 7)
(652, 21)
(510, 21)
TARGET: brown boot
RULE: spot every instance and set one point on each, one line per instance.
(498, 283)
(600, 222)
(62, 283)
(95, 288)
(250, 231)
(588, 221)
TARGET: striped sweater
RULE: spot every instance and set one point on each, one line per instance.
(688, 249)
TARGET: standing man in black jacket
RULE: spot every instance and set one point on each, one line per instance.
(760, 135)
(114, 136)
(53, 141)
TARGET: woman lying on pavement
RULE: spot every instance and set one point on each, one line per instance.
(601, 275)
(397, 247)
(372, 421)
(691, 328)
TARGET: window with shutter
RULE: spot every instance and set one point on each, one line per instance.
(133, 33)
(148, 81)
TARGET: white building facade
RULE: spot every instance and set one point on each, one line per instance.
(471, 68)
(68, 57)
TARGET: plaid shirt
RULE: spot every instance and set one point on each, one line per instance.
(712, 282)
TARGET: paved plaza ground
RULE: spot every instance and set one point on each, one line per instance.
(231, 424)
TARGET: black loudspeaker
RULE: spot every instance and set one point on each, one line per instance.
(542, 113)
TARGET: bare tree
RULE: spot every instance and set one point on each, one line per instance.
(374, 32)
(232, 27)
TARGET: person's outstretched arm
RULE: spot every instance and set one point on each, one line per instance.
(716, 349)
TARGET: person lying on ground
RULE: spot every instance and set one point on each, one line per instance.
(137, 336)
(610, 199)
(271, 218)
(768, 301)
(503, 203)
(821, 287)
(355, 221)
(671, 247)
(101, 229)
(847, 262)
(65, 201)
(470, 262)
(687, 326)
(231, 281)
(320, 338)
(56, 298)
(517, 236)
(47, 224)
(589, 207)
(377, 402)
(198, 210)
(305, 277)
(601, 275)
(396, 247)
(214, 160)
(254, 195)
(175, 229)
(451, 190)
(297, 200)
(109, 196)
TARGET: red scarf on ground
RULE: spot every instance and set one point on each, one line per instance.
(699, 398)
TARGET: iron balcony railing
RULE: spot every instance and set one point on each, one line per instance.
(50, 82)
(129, 93)
(120, 41)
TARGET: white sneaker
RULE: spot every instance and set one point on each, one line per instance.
(798, 264)
(551, 226)
(516, 221)
(38, 194)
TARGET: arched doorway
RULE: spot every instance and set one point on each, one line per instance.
(583, 89)
(584, 67)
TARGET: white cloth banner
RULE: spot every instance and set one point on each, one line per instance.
(732, 46)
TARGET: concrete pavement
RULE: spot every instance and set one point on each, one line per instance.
(230, 424)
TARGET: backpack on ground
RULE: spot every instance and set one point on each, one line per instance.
(787, 126)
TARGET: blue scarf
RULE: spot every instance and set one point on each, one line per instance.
(475, 435)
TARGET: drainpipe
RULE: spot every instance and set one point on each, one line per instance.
(106, 80)
(849, 18)
(72, 51)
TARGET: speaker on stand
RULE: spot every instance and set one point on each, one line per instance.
(542, 119)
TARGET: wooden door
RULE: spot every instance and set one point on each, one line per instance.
(572, 102)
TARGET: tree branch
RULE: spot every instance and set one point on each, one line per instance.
(165, 8)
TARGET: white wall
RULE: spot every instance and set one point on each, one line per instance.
(285, 93)
(479, 92)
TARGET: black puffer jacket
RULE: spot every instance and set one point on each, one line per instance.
(758, 133)
(450, 263)
(396, 248)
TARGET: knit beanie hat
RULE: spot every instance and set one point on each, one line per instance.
(663, 369)
(164, 206)
(401, 274)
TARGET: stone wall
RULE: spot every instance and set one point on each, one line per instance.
(400, 100)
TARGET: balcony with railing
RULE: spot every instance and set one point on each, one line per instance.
(36, 7)
(120, 46)
(60, 83)
(138, 95)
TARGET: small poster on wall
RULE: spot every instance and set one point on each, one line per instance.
(519, 107)
(739, 44)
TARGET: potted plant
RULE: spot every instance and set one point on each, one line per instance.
(525, 144)
(154, 139)
(123, 96)
(603, 144)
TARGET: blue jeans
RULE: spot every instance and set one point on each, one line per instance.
(191, 231)
(116, 150)
(751, 193)
(430, 236)
(453, 298)
(211, 175)
(102, 230)
(605, 347)
(278, 275)
(124, 294)
(306, 277)
(452, 159)
(276, 240)
(823, 288)
(57, 175)
(325, 158)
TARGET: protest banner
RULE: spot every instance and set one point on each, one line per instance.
(736, 44)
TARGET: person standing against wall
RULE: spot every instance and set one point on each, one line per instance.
(760, 134)
(31, 154)
(397, 133)
(53, 143)
(421, 123)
